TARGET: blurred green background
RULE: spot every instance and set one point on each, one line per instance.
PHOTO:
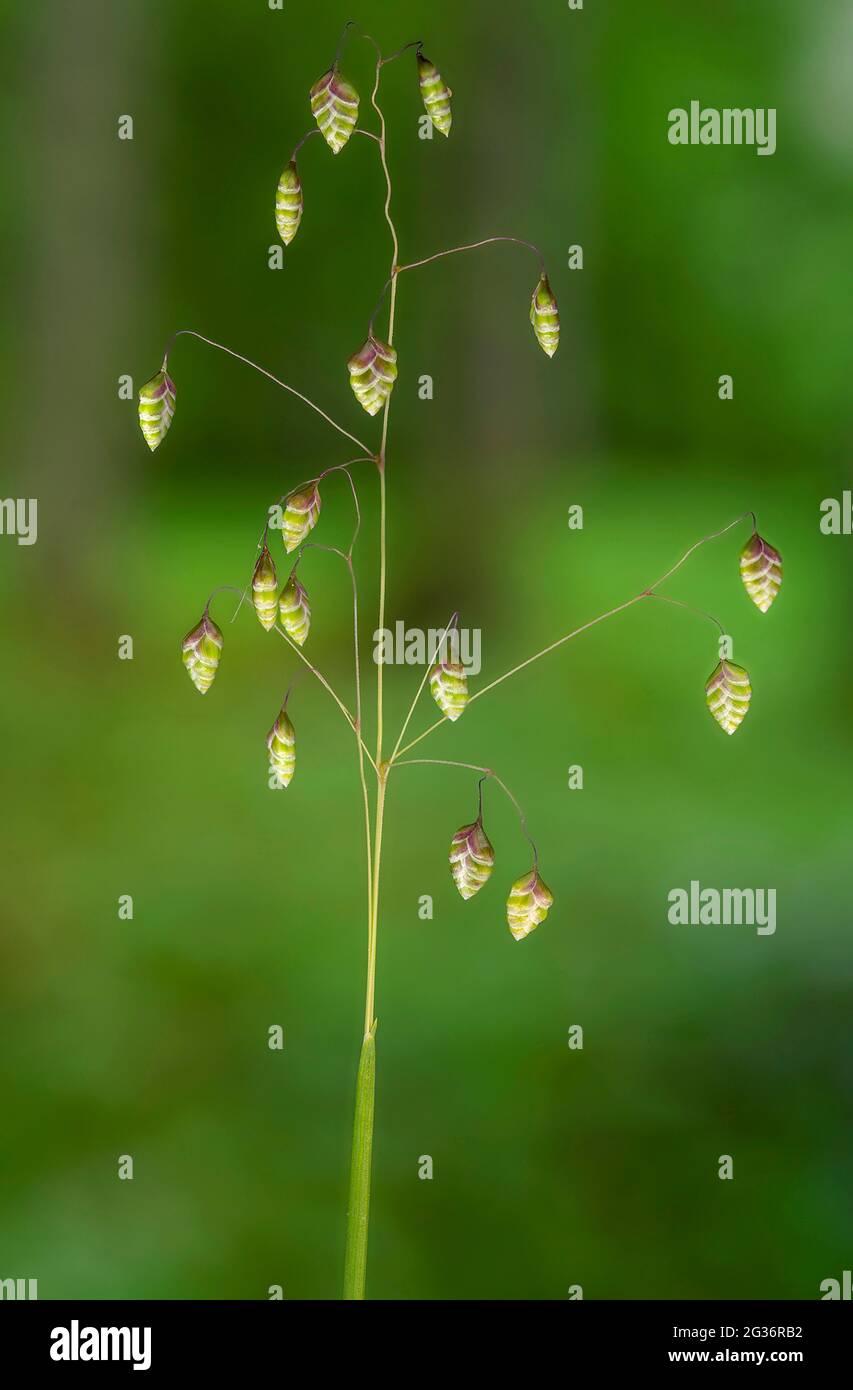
(552, 1167)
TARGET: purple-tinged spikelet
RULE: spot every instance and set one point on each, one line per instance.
(201, 649)
(761, 571)
(528, 903)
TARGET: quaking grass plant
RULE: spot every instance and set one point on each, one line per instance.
(284, 608)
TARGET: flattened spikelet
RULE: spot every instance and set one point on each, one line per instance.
(528, 903)
(264, 586)
(281, 746)
(373, 371)
(156, 408)
(334, 104)
(761, 571)
(436, 95)
(728, 693)
(472, 859)
(201, 650)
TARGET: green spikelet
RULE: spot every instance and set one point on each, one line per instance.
(761, 571)
(156, 408)
(288, 203)
(301, 513)
(373, 371)
(264, 586)
(436, 95)
(201, 649)
(295, 611)
(545, 317)
(728, 693)
(472, 859)
(449, 686)
(528, 903)
(281, 745)
(334, 104)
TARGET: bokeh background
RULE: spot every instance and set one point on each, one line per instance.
(552, 1167)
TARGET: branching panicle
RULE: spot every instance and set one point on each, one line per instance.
(335, 105)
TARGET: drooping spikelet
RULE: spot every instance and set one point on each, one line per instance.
(472, 859)
(264, 586)
(761, 571)
(295, 610)
(301, 513)
(728, 693)
(436, 95)
(449, 685)
(156, 408)
(528, 903)
(334, 104)
(281, 745)
(545, 317)
(288, 203)
(201, 649)
(373, 371)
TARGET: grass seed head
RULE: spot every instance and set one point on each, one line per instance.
(472, 859)
(449, 686)
(289, 204)
(436, 95)
(545, 317)
(528, 903)
(264, 586)
(373, 371)
(295, 611)
(301, 513)
(201, 649)
(334, 105)
(281, 746)
(761, 571)
(728, 693)
(156, 408)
